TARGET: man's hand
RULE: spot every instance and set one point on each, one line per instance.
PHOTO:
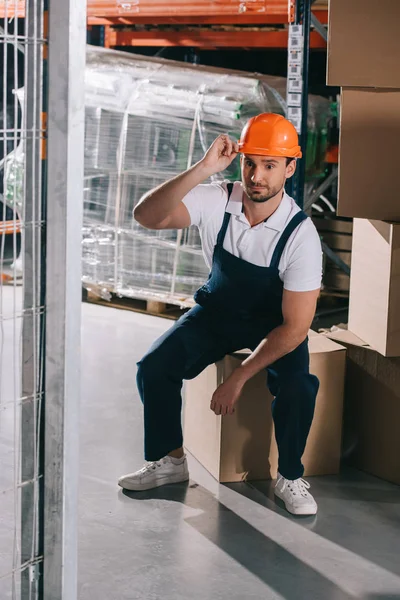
(226, 395)
(219, 156)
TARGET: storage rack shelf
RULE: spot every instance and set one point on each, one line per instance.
(121, 20)
(205, 38)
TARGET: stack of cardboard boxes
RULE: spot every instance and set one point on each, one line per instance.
(364, 59)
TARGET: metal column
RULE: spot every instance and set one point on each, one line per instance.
(65, 158)
(306, 17)
(297, 92)
(33, 314)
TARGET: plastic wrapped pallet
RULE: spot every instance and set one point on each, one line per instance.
(147, 120)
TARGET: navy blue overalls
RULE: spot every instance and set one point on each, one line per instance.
(236, 308)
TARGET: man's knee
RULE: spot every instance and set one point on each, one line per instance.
(163, 361)
(150, 366)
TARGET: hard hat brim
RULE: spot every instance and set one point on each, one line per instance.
(283, 152)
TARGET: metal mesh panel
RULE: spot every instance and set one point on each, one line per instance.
(21, 297)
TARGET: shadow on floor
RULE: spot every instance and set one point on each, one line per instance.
(271, 563)
(382, 597)
(369, 525)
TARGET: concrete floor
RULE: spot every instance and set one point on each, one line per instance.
(206, 541)
(201, 541)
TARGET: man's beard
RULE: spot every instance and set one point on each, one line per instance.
(260, 198)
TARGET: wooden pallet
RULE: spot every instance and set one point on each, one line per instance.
(328, 298)
(149, 307)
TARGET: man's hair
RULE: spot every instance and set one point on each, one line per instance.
(289, 160)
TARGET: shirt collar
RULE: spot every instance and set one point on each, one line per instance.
(276, 221)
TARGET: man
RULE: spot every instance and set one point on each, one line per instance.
(266, 264)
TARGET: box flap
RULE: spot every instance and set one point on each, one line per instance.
(343, 336)
(320, 343)
(317, 343)
(244, 353)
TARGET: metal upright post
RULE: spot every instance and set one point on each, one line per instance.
(304, 109)
(102, 36)
(297, 88)
(65, 158)
(33, 316)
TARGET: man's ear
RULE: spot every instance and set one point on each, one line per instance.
(291, 168)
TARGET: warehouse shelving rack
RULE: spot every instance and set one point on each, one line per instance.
(195, 23)
(241, 24)
(209, 25)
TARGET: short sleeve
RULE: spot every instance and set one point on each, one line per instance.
(304, 268)
(202, 201)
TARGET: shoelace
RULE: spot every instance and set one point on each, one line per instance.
(152, 466)
(298, 486)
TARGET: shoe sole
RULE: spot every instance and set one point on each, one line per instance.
(303, 512)
(132, 487)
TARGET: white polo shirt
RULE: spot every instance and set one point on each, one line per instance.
(300, 267)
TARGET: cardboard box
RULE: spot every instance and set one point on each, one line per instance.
(242, 445)
(369, 142)
(371, 409)
(374, 313)
(364, 43)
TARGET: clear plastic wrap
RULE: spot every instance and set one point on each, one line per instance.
(147, 120)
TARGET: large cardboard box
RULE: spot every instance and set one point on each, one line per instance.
(372, 409)
(242, 445)
(368, 161)
(364, 43)
(374, 313)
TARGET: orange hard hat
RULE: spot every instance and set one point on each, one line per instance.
(269, 134)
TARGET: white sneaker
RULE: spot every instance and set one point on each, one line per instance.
(295, 495)
(154, 474)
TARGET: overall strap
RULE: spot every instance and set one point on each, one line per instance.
(225, 223)
(290, 227)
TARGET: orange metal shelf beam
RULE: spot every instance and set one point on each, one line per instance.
(163, 12)
(13, 10)
(10, 227)
(173, 8)
(205, 38)
(242, 19)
